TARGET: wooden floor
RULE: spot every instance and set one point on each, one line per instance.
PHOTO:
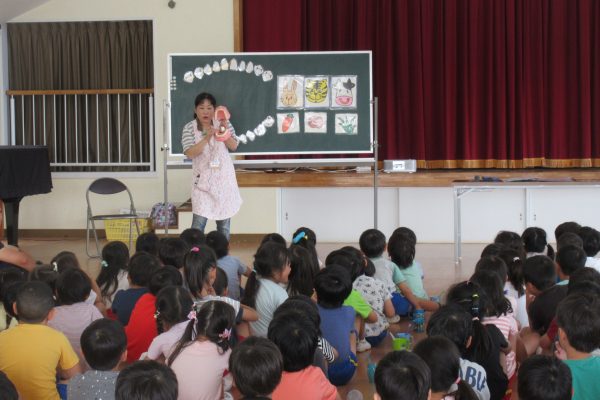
(436, 259)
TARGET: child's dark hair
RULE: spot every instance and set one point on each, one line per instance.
(148, 242)
(584, 279)
(72, 286)
(103, 343)
(578, 315)
(570, 259)
(591, 240)
(221, 282)
(256, 365)
(454, 323)
(534, 240)
(402, 375)
(214, 321)
(544, 377)
(307, 238)
(34, 302)
(372, 243)
(512, 240)
(141, 267)
(115, 257)
(45, 273)
(540, 271)
(304, 307)
(269, 258)
(492, 249)
(514, 264)
(569, 239)
(145, 380)
(333, 286)
(273, 237)
(8, 390)
(64, 260)
(405, 232)
(494, 264)
(171, 251)
(402, 250)
(370, 268)
(570, 226)
(163, 277)
(443, 359)
(296, 338)
(196, 268)
(173, 304)
(8, 279)
(9, 296)
(469, 296)
(348, 260)
(496, 302)
(218, 242)
(303, 271)
(193, 237)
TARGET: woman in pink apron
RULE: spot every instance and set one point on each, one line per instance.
(207, 140)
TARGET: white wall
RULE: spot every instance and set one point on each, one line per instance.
(191, 27)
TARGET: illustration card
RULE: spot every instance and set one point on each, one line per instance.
(289, 91)
(288, 123)
(346, 124)
(316, 91)
(343, 91)
(315, 122)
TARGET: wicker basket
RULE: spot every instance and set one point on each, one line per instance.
(118, 229)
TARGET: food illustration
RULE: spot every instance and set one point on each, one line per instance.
(315, 122)
(346, 124)
(316, 91)
(288, 122)
(344, 91)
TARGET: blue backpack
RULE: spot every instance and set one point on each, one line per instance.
(163, 215)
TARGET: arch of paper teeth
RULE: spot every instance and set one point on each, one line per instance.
(228, 65)
(260, 130)
(242, 66)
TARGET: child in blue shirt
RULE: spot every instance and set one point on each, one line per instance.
(233, 266)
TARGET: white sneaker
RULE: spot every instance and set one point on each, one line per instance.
(363, 345)
(394, 319)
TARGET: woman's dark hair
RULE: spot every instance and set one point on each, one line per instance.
(144, 380)
(273, 237)
(173, 304)
(307, 238)
(591, 240)
(348, 260)
(72, 286)
(402, 375)
(214, 321)
(496, 303)
(163, 277)
(514, 264)
(221, 282)
(203, 97)
(443, 359)
(454, 323)
(103, 343)
(218, 242)
(303, 271)
(64, 260)
(148, 242)
(469, 296)
(115, 257)
(256, 365)
(141, 267)
(197, 265)
(402, 250)
(270, 258)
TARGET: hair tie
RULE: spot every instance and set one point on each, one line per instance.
(54, 266)
(516, 259)
(475, 319)
(156, 314)
(103, 264)
(195, 249)
(254, 271)
(226, 334)
(457, 381)
(192, 315)
(299, 237)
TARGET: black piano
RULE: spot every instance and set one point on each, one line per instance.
(24, 171)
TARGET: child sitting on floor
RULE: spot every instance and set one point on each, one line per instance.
(402, 375)
(233, 266)
(113, 271)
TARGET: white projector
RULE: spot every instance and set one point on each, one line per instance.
(399, 166)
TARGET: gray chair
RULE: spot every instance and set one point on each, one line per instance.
(105, 187)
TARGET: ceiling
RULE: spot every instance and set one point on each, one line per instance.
(10, 9)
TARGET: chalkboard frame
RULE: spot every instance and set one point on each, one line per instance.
(365, 107)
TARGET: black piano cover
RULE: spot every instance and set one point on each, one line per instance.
(24, 171)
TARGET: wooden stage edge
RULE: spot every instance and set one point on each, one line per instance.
(425, 178)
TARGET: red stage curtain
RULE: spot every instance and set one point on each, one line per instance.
(461, 84)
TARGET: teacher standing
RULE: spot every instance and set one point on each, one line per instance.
(215, 193)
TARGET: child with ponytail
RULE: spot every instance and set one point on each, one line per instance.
(201, 357)
(113, 271)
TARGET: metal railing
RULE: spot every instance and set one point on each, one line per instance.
(86, 128)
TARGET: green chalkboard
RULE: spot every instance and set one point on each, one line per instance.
(318, 103)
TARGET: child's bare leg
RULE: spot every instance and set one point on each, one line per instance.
(359, 325)
(243, 329)
(428, 305)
